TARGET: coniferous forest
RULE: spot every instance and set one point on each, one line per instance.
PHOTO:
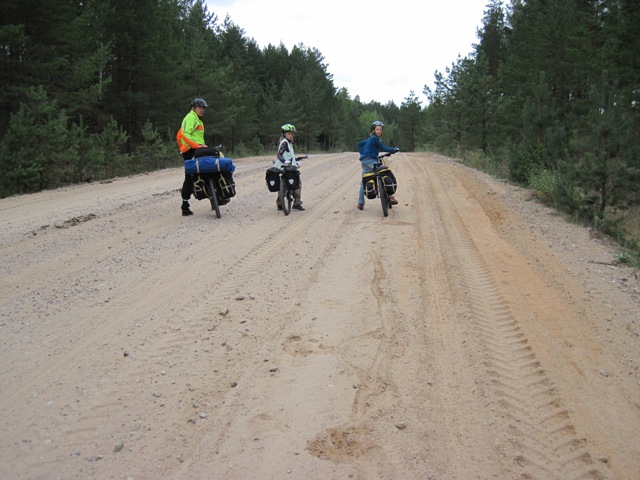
(549, 97)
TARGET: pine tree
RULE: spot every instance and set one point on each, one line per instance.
(605, 169)
(32, 154)
(409, 122)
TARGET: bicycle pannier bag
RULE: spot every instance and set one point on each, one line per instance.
(199, 189)
(369, 184)
(292, 177)
(206, 152)
(390, 182)
(227, 186)
(272, 178)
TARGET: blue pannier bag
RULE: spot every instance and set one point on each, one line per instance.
(209, 165)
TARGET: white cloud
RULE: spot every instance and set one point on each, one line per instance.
(379, 50)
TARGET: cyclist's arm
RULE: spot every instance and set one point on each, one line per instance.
(284, 147)
(382, 147)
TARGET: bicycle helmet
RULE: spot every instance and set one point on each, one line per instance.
(287, 127)
(377, 123)
(198, 102)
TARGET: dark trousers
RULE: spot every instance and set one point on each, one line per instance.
(187, 185)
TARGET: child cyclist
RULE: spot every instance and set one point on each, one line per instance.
(369, 149)
(286, 156)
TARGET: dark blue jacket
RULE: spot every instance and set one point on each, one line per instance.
(370, 147)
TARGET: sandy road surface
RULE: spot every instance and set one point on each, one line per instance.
(469, 335)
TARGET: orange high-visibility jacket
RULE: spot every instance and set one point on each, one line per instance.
(191, 134)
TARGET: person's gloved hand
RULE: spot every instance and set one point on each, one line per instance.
(397, 149)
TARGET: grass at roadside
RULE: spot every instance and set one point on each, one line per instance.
(622, 225)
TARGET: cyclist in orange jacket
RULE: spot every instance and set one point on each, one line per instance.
(191, 137)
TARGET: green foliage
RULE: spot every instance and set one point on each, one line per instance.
(410, 123)
(623, 258)
(32, 150)
(254, 148)
(606, 166)
(111, 142)
(153, 153)
(481, 161)
(524, 160)
(544, 182)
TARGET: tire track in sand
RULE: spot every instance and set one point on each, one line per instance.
(537, 419)
(177, 349)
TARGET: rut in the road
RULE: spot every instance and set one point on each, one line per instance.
(539, 422)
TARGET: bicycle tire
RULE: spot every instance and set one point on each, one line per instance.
(282, 196)
(384, 198)
(213, 197)
(289, 196)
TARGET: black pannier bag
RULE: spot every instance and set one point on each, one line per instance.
(390, 182)
(272, 178)
(226, 185)
(369, 184)
(206, 152)
(292, 178)
(198, 187)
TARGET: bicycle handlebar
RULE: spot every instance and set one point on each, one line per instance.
(291, 167)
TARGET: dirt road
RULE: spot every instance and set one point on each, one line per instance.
(472, 334)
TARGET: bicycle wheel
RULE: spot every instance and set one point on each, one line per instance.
(288, 201)
(384, 198)
(289, 196)
(282, 196)
(213, 196)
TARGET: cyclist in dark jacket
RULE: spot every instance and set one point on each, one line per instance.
(369, 150)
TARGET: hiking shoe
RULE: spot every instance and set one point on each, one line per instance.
(393, 201)
(186, 212)
(298, 207)
(360, 207)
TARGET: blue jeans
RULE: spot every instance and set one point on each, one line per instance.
(367, 166)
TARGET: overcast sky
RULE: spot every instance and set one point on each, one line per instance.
(379, 50)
